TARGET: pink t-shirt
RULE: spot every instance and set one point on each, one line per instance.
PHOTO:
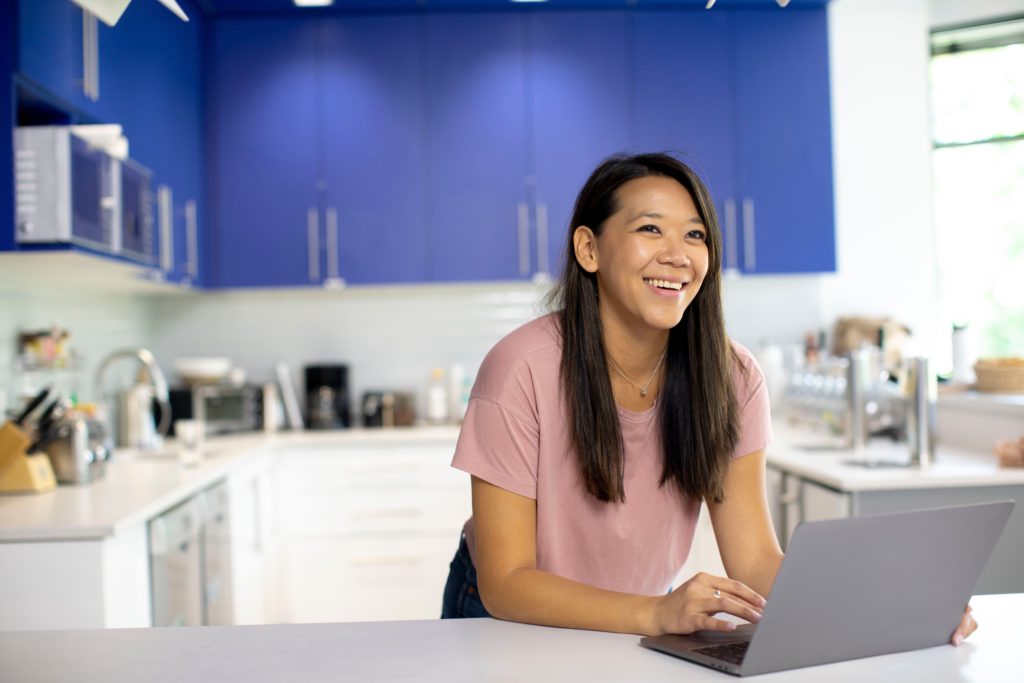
(516, 436)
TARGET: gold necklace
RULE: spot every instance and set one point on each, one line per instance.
(641, 389)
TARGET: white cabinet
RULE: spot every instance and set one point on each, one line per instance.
(252, 544)
(367, 531)
(793, 499)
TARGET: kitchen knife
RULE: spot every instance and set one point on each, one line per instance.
(32, 405)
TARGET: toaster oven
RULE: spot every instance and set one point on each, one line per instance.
(221, 409)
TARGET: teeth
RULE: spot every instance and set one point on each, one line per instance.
(664, 284)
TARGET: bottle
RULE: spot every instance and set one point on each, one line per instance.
(437, 398)
(963, 372)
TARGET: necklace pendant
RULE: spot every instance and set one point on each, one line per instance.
(643, 392)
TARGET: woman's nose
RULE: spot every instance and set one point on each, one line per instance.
(675, 254)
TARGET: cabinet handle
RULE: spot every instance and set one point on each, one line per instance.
(542, 238)
(390, 468)
(731, 259)
(313, 243)
(387, 513)
(95, 57)
(368, 560)
(523, 219)
(192, 238)
(749, 253)
(165, 208)
(332, 244)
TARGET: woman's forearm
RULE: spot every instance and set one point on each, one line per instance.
(538, 597)
(759, 571)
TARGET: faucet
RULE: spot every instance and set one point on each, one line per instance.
(135, 428)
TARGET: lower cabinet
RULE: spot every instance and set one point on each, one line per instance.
(794, 499)
(367, 533)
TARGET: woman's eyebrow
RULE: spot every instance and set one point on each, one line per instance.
(654, 214)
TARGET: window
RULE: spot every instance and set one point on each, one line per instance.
(977, 88)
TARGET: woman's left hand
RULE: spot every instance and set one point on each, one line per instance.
(967, 626)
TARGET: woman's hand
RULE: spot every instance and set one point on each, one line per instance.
(967, 626)
(690, 607)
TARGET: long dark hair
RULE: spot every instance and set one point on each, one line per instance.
(698, 414)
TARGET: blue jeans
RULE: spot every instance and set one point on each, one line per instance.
(461, 595)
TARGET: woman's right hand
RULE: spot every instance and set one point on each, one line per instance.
(690, 607)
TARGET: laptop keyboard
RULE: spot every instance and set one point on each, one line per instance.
(730, 652)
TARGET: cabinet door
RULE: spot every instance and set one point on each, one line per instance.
(785, 143)
(263, 153)
(684, 101)
(50, 48)
(152, 75)
(373, 166)
(580, 107)
(475, 127)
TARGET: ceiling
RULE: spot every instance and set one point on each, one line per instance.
(224, 7)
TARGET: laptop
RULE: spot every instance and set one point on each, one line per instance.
(858, 587)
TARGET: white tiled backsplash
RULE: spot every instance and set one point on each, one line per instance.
(391, 337)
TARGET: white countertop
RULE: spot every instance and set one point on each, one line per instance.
(817, 457)
(136, 486)
(471, 650)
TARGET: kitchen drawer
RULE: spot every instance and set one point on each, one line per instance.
(424, 510)
(385, 469)
(366, 579)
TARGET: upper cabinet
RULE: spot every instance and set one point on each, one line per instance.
(145, 74)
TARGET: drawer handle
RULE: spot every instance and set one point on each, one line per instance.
(391, 468)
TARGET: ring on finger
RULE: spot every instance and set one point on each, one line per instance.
(717, 594)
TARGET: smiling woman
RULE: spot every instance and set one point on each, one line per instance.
(594, 433)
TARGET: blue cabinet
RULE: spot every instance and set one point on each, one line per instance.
(581, 105)
(476, 147)
(743, 96)
(375, 227)
(52, 51)
(263, 153)
(784, 141)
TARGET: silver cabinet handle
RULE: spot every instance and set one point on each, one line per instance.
(192, 238)
(523, 218)
(731, 259)
(542, 239)
(332, 245)
(749, 251)
(165, 212)
(313, 243)
(95, 57)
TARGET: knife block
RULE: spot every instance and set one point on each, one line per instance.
(20, 472)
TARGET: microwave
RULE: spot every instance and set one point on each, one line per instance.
(69, 192)
(221, 409)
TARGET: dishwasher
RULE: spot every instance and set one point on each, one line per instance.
(175, 565)
(190, 561)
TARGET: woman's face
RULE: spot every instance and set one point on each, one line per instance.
(651, 257)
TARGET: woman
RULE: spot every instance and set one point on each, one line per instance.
(593, 433)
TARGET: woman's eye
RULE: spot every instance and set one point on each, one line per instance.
(698, 234)
(649, 228)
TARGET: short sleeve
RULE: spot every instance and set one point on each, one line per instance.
(755, 428)
(499, 446)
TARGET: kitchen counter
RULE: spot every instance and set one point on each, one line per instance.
(137, 486)
(463, 650)
(822, 459)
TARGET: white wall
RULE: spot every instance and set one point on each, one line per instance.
(945, 13)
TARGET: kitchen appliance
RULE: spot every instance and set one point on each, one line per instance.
(66, 190)
(327, 396)
(221, 409)
(76, 449)
(190, 561)
(135, 218)
(388, 409)
(137, 426)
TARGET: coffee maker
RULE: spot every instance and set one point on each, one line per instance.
(327, 397)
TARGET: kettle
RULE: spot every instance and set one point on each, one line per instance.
(137, 426)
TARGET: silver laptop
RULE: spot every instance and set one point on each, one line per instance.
(858, 587)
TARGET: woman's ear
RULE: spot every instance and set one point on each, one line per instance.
(584, 244)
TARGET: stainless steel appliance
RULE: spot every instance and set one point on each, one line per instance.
(327, 396)
(388, 409)
(190, 561)
(66, 190)
(135, 217)
(175, 566)
(221, 409)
